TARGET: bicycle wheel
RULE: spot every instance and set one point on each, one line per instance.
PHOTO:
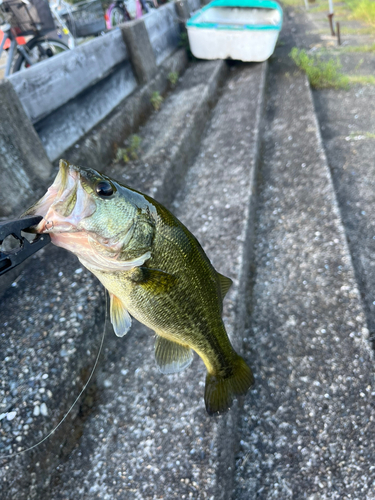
(151, 4)
(39, 49)
(118, 15)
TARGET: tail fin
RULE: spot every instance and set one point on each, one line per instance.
(219, 391)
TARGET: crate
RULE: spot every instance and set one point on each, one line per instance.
(245, 30)
(28, 17)
(85, 19)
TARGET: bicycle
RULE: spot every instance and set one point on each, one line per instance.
(22, 18)
(80, 20)
(125, 10)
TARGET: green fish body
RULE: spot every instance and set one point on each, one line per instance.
(154, 269)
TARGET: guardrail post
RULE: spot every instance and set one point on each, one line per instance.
(182, 9)
(140, 50)
(24, 166)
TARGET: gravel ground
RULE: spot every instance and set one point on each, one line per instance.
(51, 324)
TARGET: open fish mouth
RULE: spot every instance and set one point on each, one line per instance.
(65, 204)
(67, 209)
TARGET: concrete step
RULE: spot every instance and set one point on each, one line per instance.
(306, 427)
(171, 137)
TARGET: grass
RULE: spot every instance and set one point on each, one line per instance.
(294, 3)
(347, 30)
(345, 49)
(361, 79)
(156, 100)
(173, 77)
(321, 74)
(365, 135)
(131, 152)
(362, 10)
(184, 43)
(320, 7)
(358, 48)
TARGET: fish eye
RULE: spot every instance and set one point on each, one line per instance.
(104, 189)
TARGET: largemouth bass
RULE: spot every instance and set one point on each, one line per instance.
(154, 270)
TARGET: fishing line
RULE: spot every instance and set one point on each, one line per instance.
(77, 398)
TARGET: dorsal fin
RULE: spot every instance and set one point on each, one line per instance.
(171, 357)
(120, 318)
(225, 283)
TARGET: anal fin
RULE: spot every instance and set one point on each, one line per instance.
(171, 357)
(120, 318)
(225, 283)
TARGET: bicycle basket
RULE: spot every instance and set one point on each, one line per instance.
(85, 19)
(28, 17)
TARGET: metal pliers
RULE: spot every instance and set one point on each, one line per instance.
(11, 259)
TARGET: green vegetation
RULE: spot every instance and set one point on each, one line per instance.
(173, 77)
(361, 79)
(184, 43)
(294, 3)
(321, 74)
(320, 7)
(130, 152)
(362, 10)
(156, 100)
(362, 135)
(358, 48)
(346, 30)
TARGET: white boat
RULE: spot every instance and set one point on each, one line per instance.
(245, 30)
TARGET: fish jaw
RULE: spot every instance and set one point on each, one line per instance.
(64, 205)
(66, 209)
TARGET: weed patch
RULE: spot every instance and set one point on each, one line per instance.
(362, 10)
(361, 79)
(131, 152)
(173, 77)
(358, 48)
(357, 136)
(294, 3)
(156, 100)
(321, 74)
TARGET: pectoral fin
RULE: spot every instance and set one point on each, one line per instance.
(171, 357)
(153, 280)
(120, 318)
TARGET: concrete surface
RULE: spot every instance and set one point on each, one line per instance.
(98, 148)
(348, 140)
(347, 125)
(24, 165)
(306, 429)
(171, 138)
(47, 86)
(64, 127)
(162, 26)
(142, 56)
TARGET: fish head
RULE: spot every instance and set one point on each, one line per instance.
(94, 217)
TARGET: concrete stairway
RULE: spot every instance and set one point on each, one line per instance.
(271, 222)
